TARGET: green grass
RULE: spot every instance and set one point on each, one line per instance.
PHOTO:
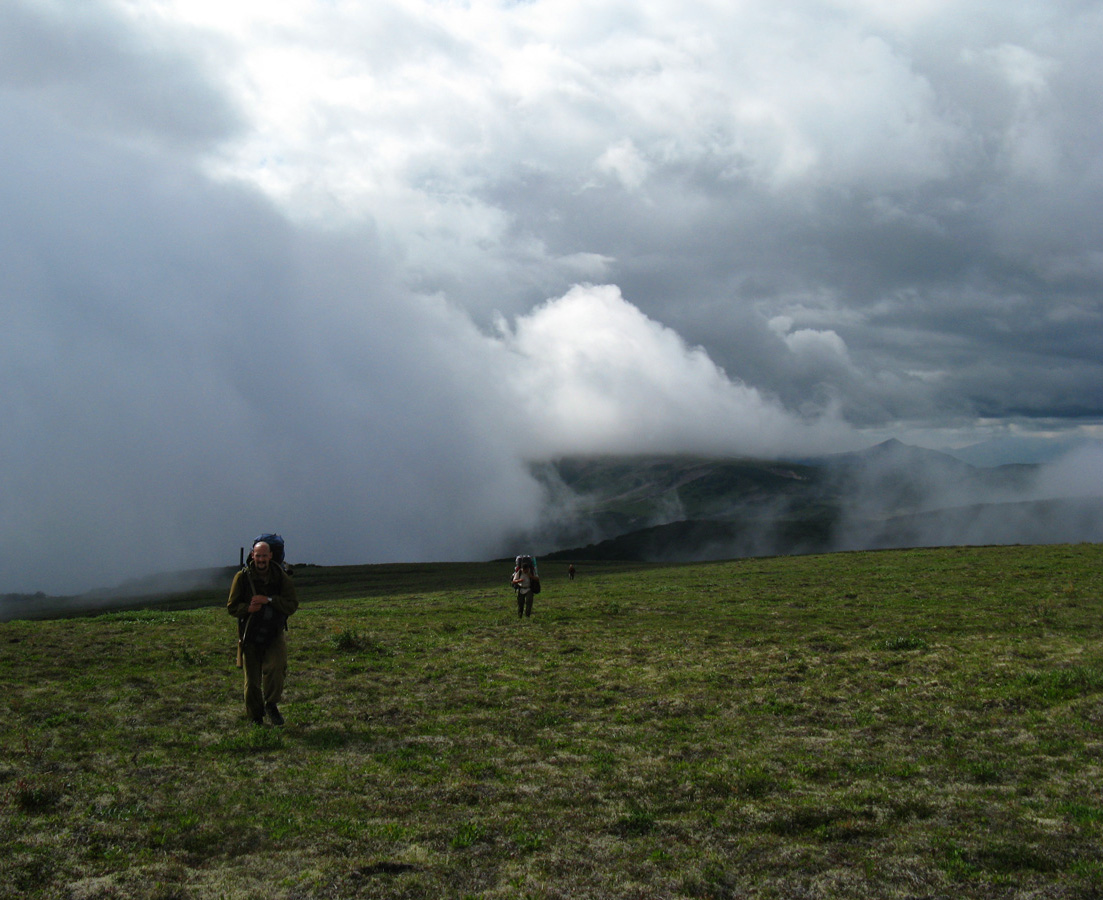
(869, 725)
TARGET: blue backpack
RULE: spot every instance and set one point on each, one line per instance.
(275, 544)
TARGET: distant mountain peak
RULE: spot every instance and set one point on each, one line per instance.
(892, 445)
(898, 452)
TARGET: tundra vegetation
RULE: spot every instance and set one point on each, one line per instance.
(863, 725)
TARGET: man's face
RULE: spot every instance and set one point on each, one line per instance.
(262, 555)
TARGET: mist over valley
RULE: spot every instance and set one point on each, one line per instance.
(889, 496)
(676, 508)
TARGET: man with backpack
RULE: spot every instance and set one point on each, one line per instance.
(262, 597)
(526, 583)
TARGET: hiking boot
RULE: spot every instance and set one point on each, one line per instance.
(273, 713)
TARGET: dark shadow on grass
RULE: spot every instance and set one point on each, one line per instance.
(384, 868)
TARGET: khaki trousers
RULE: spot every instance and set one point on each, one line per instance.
(265, 670)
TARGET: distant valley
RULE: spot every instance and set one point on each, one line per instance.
(889, 496)
(682, 509)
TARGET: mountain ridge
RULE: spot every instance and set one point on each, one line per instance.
(666, 508)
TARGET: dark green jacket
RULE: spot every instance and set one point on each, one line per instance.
(277, 584)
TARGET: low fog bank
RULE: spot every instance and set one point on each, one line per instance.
(197, 585)
(889, 496)
(1034, 522)
(897, 496)
(677, 509)
(163, 583)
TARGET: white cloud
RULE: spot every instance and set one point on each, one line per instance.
(623, 162)
(342, 123)
(596, 375)
(824, 346)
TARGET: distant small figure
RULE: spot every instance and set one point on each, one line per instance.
(570, 572)
(527, 583)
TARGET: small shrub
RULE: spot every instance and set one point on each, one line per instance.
(528, 841)
(985, 771)
(755, 782)
(904, 642)
(34, 796)
(604, 762)
(636, 823)
(189, 658)
(956, 863)
(801, 820)
(352, 641)
(467, 834)
(348, 641)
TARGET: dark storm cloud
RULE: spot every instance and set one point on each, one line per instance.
(341, 271)
(102, 74)
(183, 370)
(943, 220)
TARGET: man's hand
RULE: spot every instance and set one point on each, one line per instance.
(257, 602)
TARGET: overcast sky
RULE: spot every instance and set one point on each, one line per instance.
(341, 269)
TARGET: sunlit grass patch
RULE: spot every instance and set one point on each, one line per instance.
(1059, 685)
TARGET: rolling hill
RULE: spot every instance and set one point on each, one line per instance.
(890, 495)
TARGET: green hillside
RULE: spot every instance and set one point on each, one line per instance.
(863, 725)
(677, 508)
(619, 494)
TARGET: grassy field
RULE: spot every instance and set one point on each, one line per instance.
(896, 724)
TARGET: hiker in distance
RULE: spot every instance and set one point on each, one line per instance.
(526, 583)
(262, 596)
